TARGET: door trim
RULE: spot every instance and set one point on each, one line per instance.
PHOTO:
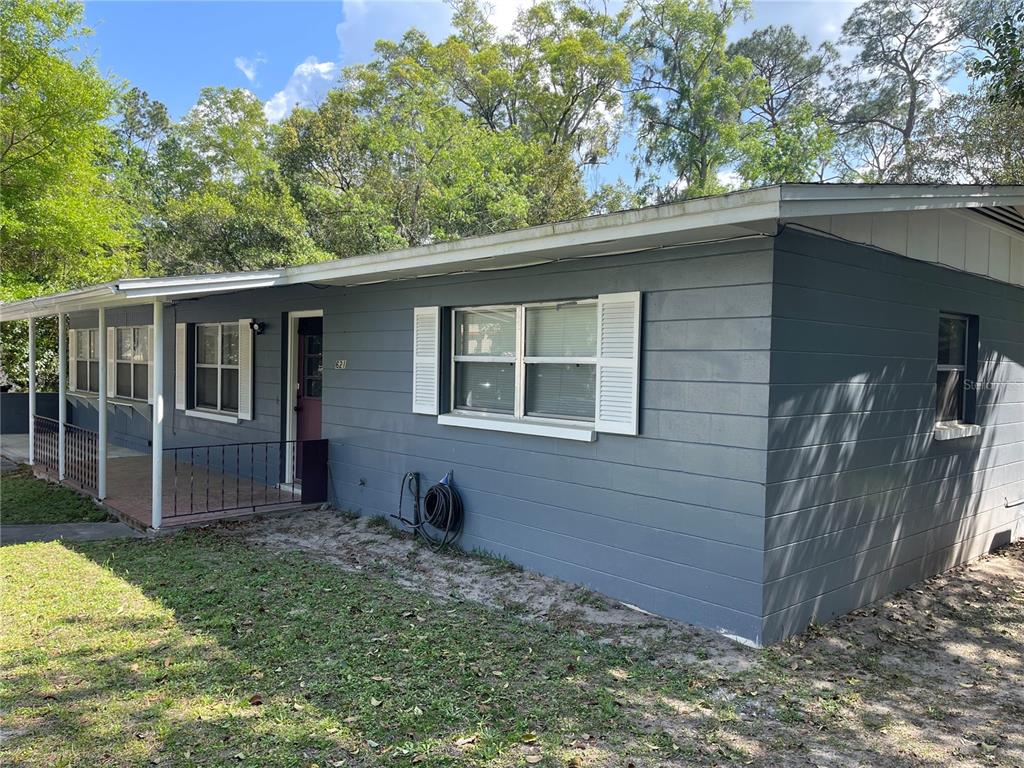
(292, 373)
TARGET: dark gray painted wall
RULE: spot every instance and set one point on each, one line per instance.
(14, 410)
(671, 520)
(861, 500)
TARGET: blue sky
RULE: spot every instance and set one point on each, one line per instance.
(289, 52)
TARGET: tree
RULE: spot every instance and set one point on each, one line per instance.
(387, 162)
(789, 137)
(906, 51)
(141, 125)
(220, 202)
(688, 92)
(63, 222)
(971, 139)
(554, 78)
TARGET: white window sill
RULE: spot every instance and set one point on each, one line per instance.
(540, 427)
(225, 418)
(955, 431)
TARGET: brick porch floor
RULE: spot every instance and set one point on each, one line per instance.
(196, 494)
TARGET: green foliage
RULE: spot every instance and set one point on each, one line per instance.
(554, 78)
(689, 92)
(1003, 58)
(971, 138)
(62, 221)
(789, 136)
(220, 201)
(388, 162)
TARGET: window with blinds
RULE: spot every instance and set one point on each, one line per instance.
(535, 360)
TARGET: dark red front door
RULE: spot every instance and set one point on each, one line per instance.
(310, 384)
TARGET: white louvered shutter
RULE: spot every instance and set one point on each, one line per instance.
(618, 363)
(72, 360)
(149, 363)
(111, 362)
(426, 324)
(180, 364)
(245, 369)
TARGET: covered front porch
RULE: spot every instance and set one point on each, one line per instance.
(201, 483)
(117, 356)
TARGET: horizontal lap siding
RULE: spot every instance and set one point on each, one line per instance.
(266, 306)
(671, 520)
(861, 500)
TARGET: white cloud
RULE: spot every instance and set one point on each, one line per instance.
(730, 179)
(503, 13)
(352, 31)
(308, 83)
(249, 67)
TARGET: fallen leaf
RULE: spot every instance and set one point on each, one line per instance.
(375, 702)
(534, 759)
(529, 737)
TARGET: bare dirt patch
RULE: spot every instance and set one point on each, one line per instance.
(364, 545)
(933, 676)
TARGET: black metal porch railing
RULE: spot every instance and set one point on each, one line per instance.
(81, 452)
(229, 477)
(46, 444)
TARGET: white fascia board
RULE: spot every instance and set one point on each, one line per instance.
(69, 301)
(192, 283)
(801, 200)
(601, 233)
(198, 287)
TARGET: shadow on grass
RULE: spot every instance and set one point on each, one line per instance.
(202, 650)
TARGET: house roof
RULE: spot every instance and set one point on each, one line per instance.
(755, 212)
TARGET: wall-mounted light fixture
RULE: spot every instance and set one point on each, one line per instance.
(257, 327)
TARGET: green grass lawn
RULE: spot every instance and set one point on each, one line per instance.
(207, 649)
(199, 650)
(27, 499)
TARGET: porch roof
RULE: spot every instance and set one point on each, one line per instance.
(755, 212)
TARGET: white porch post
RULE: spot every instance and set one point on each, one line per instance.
(31, 390)
(157, 357)
(101, 448)
(62, 390)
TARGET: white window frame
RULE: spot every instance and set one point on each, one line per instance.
(135, 330)
(220, 365)
(83, 357)
(465, 416)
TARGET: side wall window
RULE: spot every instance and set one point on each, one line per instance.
(956, 369)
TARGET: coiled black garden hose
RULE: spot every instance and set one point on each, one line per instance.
(441, 521)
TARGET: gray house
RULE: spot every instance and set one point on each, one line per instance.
(748, 411)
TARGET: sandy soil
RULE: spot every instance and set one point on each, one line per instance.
(933, 676)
